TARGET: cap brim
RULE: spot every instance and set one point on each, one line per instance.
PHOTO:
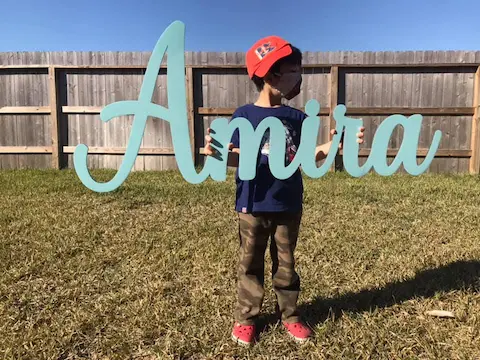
(271, 59)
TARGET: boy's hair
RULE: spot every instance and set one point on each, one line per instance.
(295, 58)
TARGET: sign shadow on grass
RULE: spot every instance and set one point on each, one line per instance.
(454, 276)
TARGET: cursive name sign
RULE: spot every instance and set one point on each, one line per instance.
(173, 40)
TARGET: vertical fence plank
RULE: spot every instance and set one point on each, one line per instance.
(333, 103)
(475, 159)
(333, 95)
(191, 109)
(55, 125)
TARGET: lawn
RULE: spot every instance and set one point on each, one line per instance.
(148, 271)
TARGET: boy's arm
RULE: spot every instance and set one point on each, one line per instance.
(233, 157)
(321, 151)
(234, 146)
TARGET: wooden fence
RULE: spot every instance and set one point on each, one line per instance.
(46, 110)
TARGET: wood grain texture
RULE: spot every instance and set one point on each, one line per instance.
(16, 110)
(332, 103)
(121, 150)
(25, 149)
(474, 166)
(217, 111)
(191, 108)
(206, 65)
(438, 85)
(54, 118)
(82, 109)
(422, 153)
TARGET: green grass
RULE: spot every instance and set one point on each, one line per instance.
(148, 271)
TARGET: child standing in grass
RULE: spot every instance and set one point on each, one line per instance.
(269, 208)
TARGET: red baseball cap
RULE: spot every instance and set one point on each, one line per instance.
(264, 53)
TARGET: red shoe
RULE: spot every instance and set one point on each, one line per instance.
(243, 334)
(298, 331)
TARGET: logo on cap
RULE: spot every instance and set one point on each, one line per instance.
(263, 50)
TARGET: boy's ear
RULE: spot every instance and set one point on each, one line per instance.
(269, 78)
(295, 91)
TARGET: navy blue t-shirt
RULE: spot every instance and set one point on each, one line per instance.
(265, 193)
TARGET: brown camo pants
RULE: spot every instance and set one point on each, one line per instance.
(254, 231)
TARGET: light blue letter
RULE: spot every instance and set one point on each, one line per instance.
(377, 158)
(173, 40)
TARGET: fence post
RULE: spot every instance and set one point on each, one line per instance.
(54, 118)
(475, 140)
(191, 110)
(333, 103)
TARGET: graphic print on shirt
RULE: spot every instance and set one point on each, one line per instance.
(291, 148)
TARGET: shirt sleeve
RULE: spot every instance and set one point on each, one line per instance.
(302, 117)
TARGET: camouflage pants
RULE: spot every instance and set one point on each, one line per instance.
(255, 231)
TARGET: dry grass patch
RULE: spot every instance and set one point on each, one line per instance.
(148, 271)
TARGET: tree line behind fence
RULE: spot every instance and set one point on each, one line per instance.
(50, 102)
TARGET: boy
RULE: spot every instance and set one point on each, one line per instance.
(268, 207)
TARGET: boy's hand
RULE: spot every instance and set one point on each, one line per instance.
(209, 150)
(360, 136)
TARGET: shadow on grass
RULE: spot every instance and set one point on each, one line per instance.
(455, 276)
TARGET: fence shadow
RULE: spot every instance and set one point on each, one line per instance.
(454, 276)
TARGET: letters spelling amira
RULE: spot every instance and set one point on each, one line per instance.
(173, 40)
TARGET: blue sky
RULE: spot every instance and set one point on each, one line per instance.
(213, 25)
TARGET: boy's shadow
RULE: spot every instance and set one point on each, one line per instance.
(454, 276)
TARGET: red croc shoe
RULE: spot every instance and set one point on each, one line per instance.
(243, 334)
(298, 331)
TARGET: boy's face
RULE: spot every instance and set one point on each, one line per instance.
(287, 81)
